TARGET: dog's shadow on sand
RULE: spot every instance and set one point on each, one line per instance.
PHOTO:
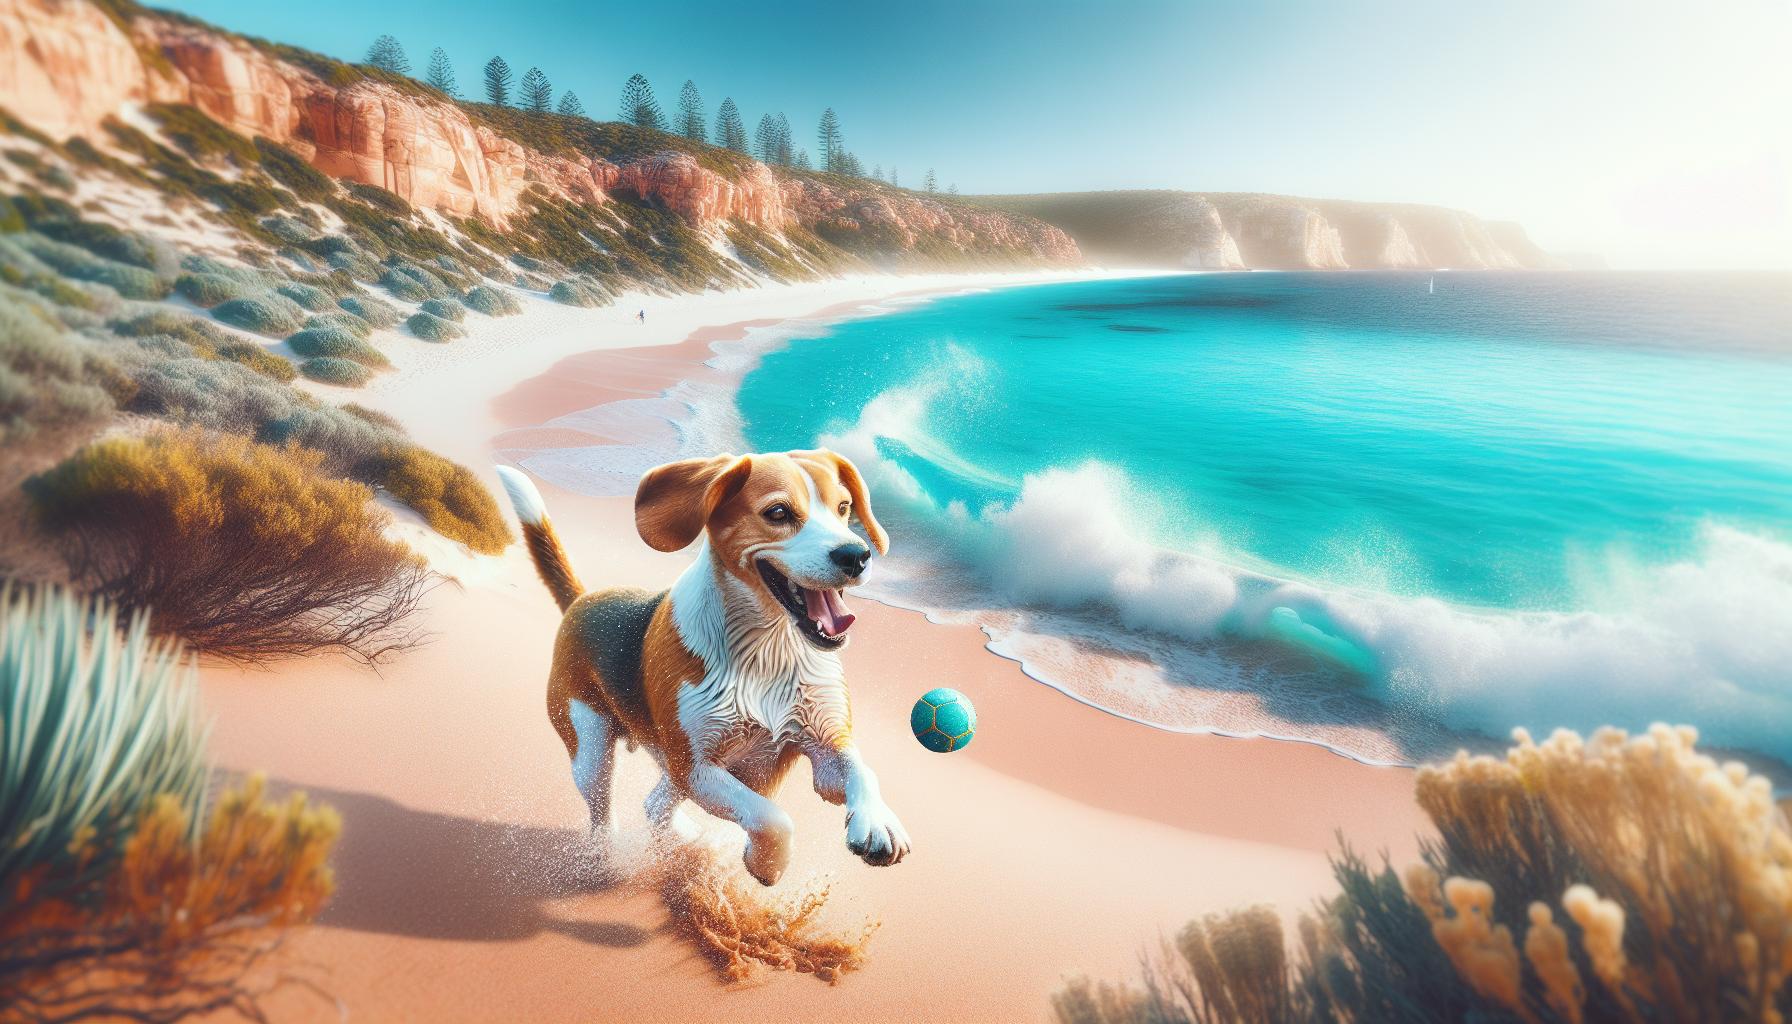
(401, 871)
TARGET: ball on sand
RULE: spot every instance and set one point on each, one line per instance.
(943, 720)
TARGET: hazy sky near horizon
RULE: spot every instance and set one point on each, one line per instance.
(1654, 134)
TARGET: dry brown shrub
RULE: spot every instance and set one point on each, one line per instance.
(175, 928)
(448, 496)
(738, 930)
(241, 549)
(1614, 878)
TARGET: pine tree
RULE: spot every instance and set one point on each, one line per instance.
(639, 108)
(827, 136)
(893, 180)
(802, 160)
(952, 189)
(785, 156)
(765, 139)
(497, 82)
(536, 94)
(387, 55)
(441, 72)
(877, 173)
(730, 132)
(691, 123)
(927, 182)
(570, 105)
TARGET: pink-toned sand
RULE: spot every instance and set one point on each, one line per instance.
(1062, 841)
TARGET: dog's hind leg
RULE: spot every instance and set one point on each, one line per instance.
(594, 762)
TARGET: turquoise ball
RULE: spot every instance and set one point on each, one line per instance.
(943, 720)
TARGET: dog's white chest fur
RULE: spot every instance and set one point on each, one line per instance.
(758, 672)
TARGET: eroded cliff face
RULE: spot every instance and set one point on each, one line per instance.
(68, 67)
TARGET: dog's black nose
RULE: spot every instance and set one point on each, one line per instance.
(851, 558)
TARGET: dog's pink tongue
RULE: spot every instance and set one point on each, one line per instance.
(828, 611)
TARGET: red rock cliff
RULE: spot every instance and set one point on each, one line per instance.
(67, 67)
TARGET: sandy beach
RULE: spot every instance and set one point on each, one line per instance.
(1063, 841)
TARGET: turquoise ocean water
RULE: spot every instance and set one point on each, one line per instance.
(1339, 506)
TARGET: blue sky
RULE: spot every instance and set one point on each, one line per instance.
(1654, 133)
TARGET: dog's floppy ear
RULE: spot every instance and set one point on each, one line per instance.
(674, 502)
(861, 498)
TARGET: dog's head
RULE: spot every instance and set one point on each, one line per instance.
(778, 523)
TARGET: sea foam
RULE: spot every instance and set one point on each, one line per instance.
(1072, 568)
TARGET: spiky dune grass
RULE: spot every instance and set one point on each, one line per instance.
(1612, 878)
(98, 723)
(121, 895)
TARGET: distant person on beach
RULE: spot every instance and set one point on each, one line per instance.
(642, 315)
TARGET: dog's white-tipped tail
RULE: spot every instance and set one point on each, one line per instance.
(550, 558)
(530, 509)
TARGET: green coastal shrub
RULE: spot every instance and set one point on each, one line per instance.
(301, 259)
(329, 341)
(202, 335)
(227, 397)
(288, 229)
(453, 271)
(377, 312)
(577, 292)
(333, 283)
(208, 290)
(112, 243)
(291, 170)
(200, 137)
(308, 296)
(50, 380)
(267, 313)
(412, 283)
(128, 280)
(51, 286)
(375, 417)
(532, 282)
(356, 264)
(433, 328)
(341, 320)
(492, 301)
(258, 359)
(203, 339)
(402, 286)
(344, 373)
(447, 309)
(249, 276)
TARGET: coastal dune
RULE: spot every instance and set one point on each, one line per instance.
(1052, 846)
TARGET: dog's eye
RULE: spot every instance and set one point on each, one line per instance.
(845, 507)
(778, 513)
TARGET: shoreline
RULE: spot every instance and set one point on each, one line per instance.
(643, 406)
(460, 890)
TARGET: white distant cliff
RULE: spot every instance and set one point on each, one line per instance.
(1239, 230)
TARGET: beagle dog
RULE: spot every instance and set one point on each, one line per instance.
(735, 672)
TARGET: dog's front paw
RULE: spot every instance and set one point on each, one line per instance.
(768, 850)
(875, 835)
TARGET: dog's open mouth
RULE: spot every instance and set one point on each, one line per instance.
(820, 614)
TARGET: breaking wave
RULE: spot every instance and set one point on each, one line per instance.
(1066, 567)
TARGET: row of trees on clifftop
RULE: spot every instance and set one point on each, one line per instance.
(772, 140)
